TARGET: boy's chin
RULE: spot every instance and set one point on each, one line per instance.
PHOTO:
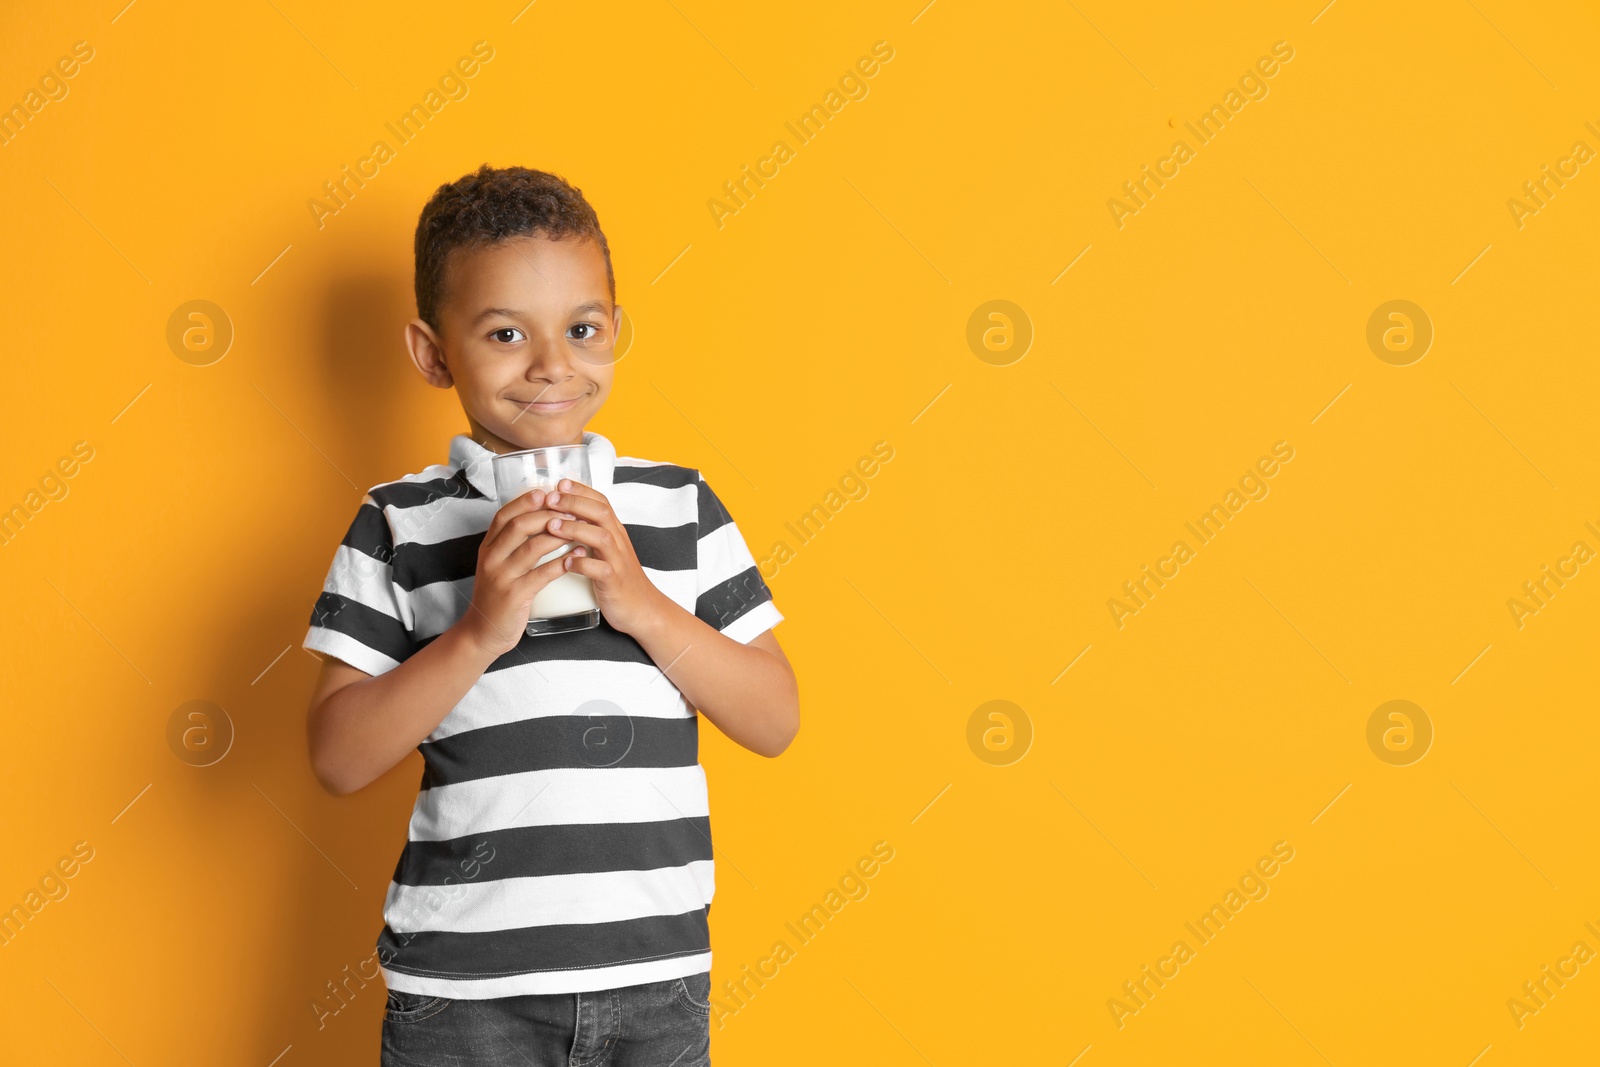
(542, 434)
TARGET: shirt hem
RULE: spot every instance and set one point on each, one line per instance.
(588, 980)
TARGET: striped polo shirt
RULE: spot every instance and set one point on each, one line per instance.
(560, 841)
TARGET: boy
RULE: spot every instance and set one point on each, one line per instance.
(550, 904)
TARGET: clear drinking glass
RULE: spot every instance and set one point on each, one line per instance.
(566, 604)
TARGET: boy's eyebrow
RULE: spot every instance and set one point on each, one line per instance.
(512, 313)
(490, 312)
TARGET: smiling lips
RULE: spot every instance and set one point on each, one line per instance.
(547, 405)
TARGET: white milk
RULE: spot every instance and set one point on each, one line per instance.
(567, 595)
(517, 473)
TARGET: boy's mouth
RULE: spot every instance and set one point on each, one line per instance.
(546, 405)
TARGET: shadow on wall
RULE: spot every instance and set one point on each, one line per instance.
(315, 910)
(368, 381)
(375, 404)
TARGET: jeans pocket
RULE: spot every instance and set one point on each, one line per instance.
(693, 994)
(406, 1007)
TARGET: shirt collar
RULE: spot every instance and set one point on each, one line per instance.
(477, 462)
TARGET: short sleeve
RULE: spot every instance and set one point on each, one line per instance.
(358, 618)
(730, 595)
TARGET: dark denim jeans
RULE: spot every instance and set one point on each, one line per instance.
(661, 1024)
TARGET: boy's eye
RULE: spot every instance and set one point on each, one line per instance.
(502, 333)
(587, 331)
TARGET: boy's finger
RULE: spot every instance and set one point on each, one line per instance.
(597, 570)
(578, 489)
(595, 508)
(529, 501)
(534, 548)
(504, 541)
(546, 571)
(567, 485)
(584, 533)
(511, 509)
(533, 498)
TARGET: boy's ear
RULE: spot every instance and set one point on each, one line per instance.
(427, 352)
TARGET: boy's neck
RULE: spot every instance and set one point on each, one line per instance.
(501, 446)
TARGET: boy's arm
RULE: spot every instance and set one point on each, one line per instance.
(361, 725)
(748, 690)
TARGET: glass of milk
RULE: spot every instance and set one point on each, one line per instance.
(567, 603)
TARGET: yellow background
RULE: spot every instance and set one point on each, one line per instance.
(822, 317)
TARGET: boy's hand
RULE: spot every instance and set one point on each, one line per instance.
(507, 578)
(604, 554)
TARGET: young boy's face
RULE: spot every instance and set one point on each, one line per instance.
(526, 335)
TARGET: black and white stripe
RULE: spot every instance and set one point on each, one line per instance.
(560, 840)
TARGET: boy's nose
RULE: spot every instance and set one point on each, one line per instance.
(551, 361)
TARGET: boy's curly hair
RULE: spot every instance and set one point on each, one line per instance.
(491, 205)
